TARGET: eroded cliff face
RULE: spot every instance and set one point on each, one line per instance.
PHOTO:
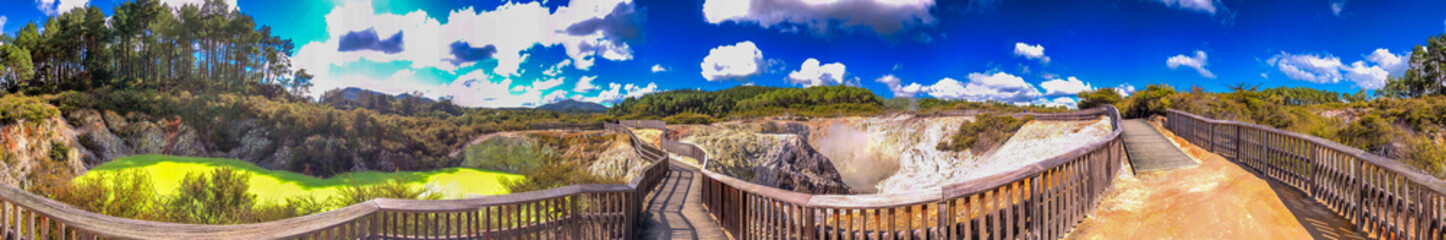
(31, 147)
(891, 154)
(604, 153)
(779, 160)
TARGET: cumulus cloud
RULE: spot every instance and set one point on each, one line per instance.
(462, 52)
(812, 74)
(738, 61)
(2, 22)
(585, 29)
(1125, 89)
(368, 40)
(1205, 6)
(617, 92)
(1337, 6)
(898, 88)
(657, 68)
(1370, 73)
(1197, 62)
(985, 87)
(584, 84)
(884, 17)
(53, 7)
(1066, 102)
(1035, 52)
(547, 84)
(1065, 87)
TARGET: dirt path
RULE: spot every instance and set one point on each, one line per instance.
(1215, 200)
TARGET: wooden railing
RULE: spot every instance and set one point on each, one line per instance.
(1383, 197)
(1040, 201)
(589, 211)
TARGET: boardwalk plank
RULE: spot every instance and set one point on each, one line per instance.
(1149, 151)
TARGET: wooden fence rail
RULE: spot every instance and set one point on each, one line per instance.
(588, 211)
(1383, 197)
(1040, 201)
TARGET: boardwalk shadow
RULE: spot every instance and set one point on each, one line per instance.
(1319, 221)
(664, 218)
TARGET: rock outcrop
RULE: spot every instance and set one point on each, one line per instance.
(784, 161)
(26, 148)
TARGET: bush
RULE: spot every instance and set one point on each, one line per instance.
(15, 107)
(1371, 133)
(220, 197)
(515, 155)
(556, 173)
(1154, 100)
(127, 194)
(987, 131)
(1097, 98)
(689, 118)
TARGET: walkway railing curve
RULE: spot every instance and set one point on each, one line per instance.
(1383, 197)
(588, 211)
(1040, 201)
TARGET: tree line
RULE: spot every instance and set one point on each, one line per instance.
(210, 47)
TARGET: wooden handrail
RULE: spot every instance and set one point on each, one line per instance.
(587, 211)
(1043, 200)
(1383, 197)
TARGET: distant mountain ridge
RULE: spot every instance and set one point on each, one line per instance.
(574, 106)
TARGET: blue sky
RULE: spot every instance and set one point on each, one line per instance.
(525, 53)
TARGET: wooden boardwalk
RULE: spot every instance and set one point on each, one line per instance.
(675, 210)
(1149, 150)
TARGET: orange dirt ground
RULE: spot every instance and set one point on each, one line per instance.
(1215, 200)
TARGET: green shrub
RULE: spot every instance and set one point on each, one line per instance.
(987, 131)
(1099, 97)
(1154, 100)
(556, 173)
(1371, 133)
(219, 197)
(515, 155)
(689, 118)
(16, 107)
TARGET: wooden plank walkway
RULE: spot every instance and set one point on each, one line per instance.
(675, 210)
(1149, 150)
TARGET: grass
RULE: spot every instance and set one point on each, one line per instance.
(276, 186)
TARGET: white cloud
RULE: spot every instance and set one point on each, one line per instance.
(899, 89)
(1067, 102)
(985, 87)
(584, 84)
(1370, 73)
(54, 7)
(1337, 6)
(1206, 6)
(739, 61)
(1311, 68)
(617, 92)
(1062, 87)
(657, 68)
(557, 69)
(1197, 62)
(2, 22)
(586, 29)
(812, 74)
(1125, 89)
(555, 96)
(1395, 64)
(547, 84)
(884, 17)
(1035, 52)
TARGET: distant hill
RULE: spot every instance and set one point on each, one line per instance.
(574, 106)
(403, 104)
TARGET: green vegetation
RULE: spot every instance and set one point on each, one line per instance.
(19, 107)
(689, 118)
(544, 167)
(987, 131)
(1406, 120)
(1099, 97)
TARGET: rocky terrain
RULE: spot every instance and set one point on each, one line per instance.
(31, 147)
(884, 154)
(603, 153)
